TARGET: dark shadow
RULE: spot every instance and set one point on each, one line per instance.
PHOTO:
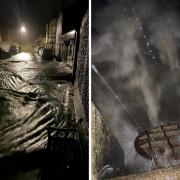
(20, 162)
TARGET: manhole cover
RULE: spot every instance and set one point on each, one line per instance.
(161, 144)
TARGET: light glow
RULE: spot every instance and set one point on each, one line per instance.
(72, 32)
(23, 29)
(24, 56)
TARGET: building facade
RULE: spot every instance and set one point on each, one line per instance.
(58, 34)
(5, 33)
(51, 33)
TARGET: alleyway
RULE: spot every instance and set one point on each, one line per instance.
(34, 94)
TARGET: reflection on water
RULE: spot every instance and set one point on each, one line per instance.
(31, 100)
(24, 56)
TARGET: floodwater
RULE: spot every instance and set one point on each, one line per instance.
(34, 94)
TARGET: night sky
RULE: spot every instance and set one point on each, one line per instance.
(34, 13)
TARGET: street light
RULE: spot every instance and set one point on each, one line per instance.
(23, 29)
(23, 33)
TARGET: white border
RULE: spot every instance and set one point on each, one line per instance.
(90, 149)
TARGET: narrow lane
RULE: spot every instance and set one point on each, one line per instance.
(32, 98)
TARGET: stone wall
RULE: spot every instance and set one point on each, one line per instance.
(107, 154)
(82, 76)
(81, 97)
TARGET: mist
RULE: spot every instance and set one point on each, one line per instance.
(135, 70)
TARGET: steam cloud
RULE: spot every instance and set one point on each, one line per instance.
(135, 51)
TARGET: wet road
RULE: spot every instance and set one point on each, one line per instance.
(33, 95)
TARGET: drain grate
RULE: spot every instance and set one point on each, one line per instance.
(161, 144)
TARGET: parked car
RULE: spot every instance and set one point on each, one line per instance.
(36, 49)
(40, 52)
(47, 54)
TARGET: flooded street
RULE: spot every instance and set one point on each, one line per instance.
(34, 94)
(44, 90)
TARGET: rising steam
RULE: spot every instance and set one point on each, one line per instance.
(135, 60)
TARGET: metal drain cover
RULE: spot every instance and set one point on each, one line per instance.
(161, 144)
